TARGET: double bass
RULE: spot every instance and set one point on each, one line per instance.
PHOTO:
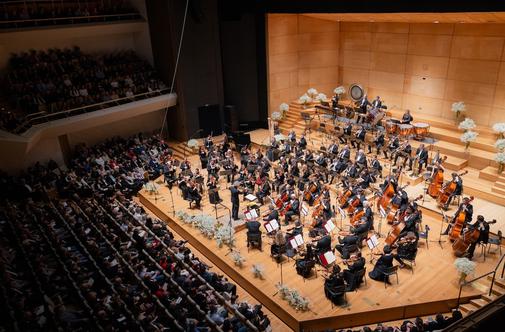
(388, 193)
(394, 208)
(447, 191)
(459, 222)
(460, 246)
(437, 179)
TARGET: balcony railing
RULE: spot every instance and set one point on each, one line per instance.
(42, 117)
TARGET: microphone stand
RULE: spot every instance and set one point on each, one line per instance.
(444, 219)
(230, 245)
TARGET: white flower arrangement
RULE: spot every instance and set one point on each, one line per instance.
(467, 137)
(237, 258)
(464, 265)
(467, 124)
(192, 143)
(284, 107)
(305, 99)
(458, 107)
(280, 137)
(321, 97)
(312, 92)
(224, 235)
(339, 90)
(499, 127)
(259, 271)
(181, 215)
(500, 144)
(294, 298)
(500, 157)
(276, 116)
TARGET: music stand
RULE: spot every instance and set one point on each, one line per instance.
(372, 243)
(444, 219)
(171, 199)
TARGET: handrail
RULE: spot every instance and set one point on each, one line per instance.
(493, 272)
(67, 18)
(28, 122)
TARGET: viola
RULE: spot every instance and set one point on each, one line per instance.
(342, 200)
(353, 204)
(447, 191)
(356, 217)
(459, 221)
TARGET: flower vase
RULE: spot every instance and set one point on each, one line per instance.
(462, 278)
(500, 168)
(304, 106)
(501, 136)
(456, 121)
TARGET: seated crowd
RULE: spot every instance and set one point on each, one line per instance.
(62, 79)
(16, 14)
(416, 325)
(93, 240)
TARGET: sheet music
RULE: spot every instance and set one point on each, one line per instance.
(269, 228)
(272, 225)
(248, 214)
(296, 241)
(382, 212)
(250, 197)
(253, 213)
(372, 242)
(305, 209)
(329, 226)
(330, 257)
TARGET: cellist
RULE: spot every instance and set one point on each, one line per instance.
(466, 207)
(459, 188)
(483, 227)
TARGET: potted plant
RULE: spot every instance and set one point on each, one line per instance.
(321, 97)
(312, 93)
(305, 100)
(500, 159)
(283, 109)
(500, 129)
(467, 137)
(339, 90)
(465, 268)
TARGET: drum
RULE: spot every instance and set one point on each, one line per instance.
(405, 130)
(421, 130)
(349, 112)
(391, 127)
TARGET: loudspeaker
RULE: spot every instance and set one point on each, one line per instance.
(210, 119)
(241, 138)
(230, 117)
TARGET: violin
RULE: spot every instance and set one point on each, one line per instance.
(447, 191)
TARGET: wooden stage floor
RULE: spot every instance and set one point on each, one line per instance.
(432, 288)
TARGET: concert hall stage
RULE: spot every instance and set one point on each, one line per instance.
(431, 288)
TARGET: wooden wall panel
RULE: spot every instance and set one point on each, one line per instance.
(426, 87)
(388, 62)
(356, 59)
(436, 45)
(282, 24)
(476, 93)
(499, 96)
(473, 70)
(310, 58)
(390, 42)
(477, 47)
(309, 24)
(480, 29)
(393, 27)
(358, 41)
(428, 28)
(318, 41)
(283, 45)
(428, 66)
(352, 75)
(431, 106)
(283, 62)
(501, 73)
(386, 81)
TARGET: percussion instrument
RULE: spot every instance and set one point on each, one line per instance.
(375, 115)
(421, 130)
(391, 127)
(405, 130)
(356, 92)
(348, 112)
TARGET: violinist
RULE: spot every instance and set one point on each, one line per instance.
(297, 230)
(292, 136)
(376, 166)
(302, 144)
(355, 264)
(317, 227)
(203, 156)
(378, 142)
(459, 188)
(213, 190)
(410, 218)
(359, 138)
(406, 247)
(483, 227)
(347, 245)
(293, 209)
(208, 143)
(394, 144)
(327, 212)
(321, 160)
(333, 148)
(335, 282)
(264, 190)
(345, 154)
(193, 194)
(185, 165)
(362, 227)
(323, 244)
(273, 214)
(465, 207)
(279, 245)
(384, 262)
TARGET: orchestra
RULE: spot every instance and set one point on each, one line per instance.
(288, 176)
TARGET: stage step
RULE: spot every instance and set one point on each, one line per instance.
(498, 190)
(489, 298)
(468, 308)
(500, 184)
(455, 163)
(454, 135)
(479, 303)
(489, 173)
(498, 281)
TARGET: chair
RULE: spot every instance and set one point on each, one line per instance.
(424, 235)
(336, 295)
(278, 255)
(389, 272)
(254, 240)
(483, 247)
(411, 262)
(360, 276)
(496, 240)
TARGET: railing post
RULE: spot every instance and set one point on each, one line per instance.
(492, 283)
(459, 295)
(502, 270)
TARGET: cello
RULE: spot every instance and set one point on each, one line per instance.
(388, 193)
(447, 191)
(437, 179)
(394, 207)
(342, 200)
(460, 246)
(357, 215)
(459, 221)
(398, 228)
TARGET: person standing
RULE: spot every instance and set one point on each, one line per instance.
(235, 201)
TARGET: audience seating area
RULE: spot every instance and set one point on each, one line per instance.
(46, 85)
(77, 253)
(36, 13)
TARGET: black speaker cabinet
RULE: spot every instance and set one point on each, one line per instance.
(210, 119)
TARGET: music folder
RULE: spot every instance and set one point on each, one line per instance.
(296, 241)
(329, 226)
(250, 197)
(372, 242)
(382, 212)
(251, 214)
(304, 209)
(327, 258)
(342, 212)
(271, 225)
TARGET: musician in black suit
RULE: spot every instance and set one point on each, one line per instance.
(354, 266)
(303, 142)
(404, 152)
(459, 188)
(347, 132)
(421, 157)
(483, 227)
(208, 142)
(253, 227)
(376, 166)
(345, 154)
(347, 245)
(377, 103)
(323, 245)
(412, 217)
(378, 141)
(264, 190)
(235, 201)
(394, 144)
(274, 214)
(465, 206)
(293, 210)
(194, 195)
(360, 138)
(333, 148)
(334, 101)
(384, 262)
(406, 248)
(407, 118)
(361, 159)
